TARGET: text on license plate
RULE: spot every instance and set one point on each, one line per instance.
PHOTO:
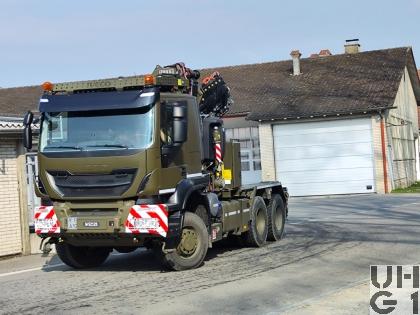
(45, 224)
(146, 223)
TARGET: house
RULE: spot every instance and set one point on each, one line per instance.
(328, 124)
(14, 200)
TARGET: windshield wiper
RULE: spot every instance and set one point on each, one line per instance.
(63, 147)
(108, 146)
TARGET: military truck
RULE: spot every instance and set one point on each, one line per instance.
(143, 162)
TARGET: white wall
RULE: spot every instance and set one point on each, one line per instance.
(402, 130)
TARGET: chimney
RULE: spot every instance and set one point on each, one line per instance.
(352, 46)
(325, 53)
(296, 61)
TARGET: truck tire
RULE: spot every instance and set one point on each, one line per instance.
(81, 257)
(276, 218)
(193, 246)
(258, 226)
(201, 211)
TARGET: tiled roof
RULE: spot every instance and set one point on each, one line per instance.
(17, 101)
(331, 85)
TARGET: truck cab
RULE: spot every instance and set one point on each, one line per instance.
(132, 162)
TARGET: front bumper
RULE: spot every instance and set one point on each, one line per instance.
(128, 228)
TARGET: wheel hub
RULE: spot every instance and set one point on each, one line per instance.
(189, 242)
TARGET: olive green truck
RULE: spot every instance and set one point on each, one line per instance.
(143, 162)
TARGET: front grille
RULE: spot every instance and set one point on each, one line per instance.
(113, 184)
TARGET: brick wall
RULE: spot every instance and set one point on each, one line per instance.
(402, 130)
(10, 229)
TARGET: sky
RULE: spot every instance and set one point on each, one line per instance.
(58, 41)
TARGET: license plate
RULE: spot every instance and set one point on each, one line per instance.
(44, 224)
(146, 223)
(91, 224)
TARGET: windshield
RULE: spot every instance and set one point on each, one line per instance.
(97, 130)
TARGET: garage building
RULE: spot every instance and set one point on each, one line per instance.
(328, 124)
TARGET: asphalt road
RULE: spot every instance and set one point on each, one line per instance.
(320, 267)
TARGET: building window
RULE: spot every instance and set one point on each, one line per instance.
(250, 146)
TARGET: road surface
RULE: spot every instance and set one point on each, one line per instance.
(320, 267)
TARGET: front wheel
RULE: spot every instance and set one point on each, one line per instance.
(80, 257)
(193, 246)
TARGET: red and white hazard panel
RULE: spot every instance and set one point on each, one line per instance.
(46, 221)
(218, 151)
(149, 219)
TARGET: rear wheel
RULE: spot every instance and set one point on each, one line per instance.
(193, 246)
(276, 218)
(258, 226)
(83, 256)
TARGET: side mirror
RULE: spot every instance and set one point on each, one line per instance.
(180, 122)
(27, 130)
(27, 137)
(28, 119)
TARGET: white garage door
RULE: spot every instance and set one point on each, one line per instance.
(324, 158)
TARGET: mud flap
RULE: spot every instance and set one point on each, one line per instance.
(175, 221)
